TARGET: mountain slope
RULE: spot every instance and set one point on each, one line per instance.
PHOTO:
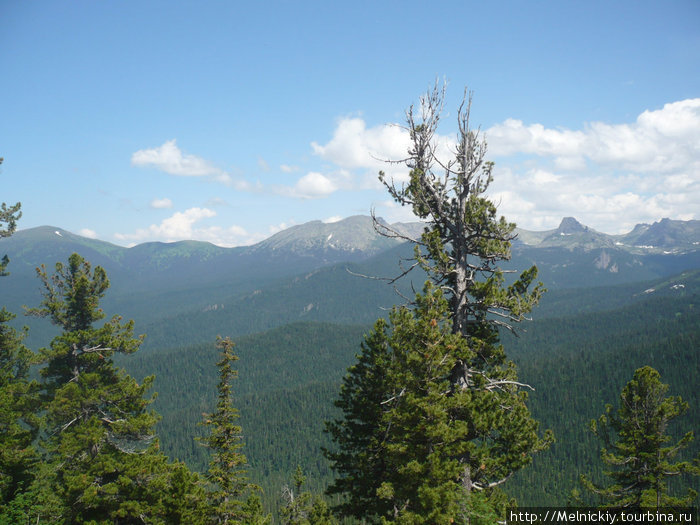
(350, 239)
(289, 377)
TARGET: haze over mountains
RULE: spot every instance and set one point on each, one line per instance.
(571, 255)
(350, 239)
(307, 272)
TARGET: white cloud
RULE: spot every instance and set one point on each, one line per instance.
(333, 219)
(355, 146)
(610, 176)
(177, 227)
(289, 169)
(170, 159)
(159, 204)
(513, 137)
(313, 185)
(87, 232)
(660, 141)
(186, 225)
(607, 202)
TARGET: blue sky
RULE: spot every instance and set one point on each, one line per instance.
(227, 121)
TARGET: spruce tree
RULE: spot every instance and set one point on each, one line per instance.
(230, 497)
(638, 449)
(103, 458)
(457, 417)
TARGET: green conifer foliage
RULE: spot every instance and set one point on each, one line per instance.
(229, 498)
(302, 507)
(100, 441)
(18, 405)
(18, 396)
(638, 448)
(407, 435)
(252, 511)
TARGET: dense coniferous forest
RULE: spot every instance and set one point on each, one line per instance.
(289, 377)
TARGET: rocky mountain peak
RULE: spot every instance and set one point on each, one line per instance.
(571, 225)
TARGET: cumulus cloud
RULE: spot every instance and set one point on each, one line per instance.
(170, 159)
(611, 176)
(608, 201)
(355, 146)
(158, 204)
(663, 140)
(313, 185)
(186, 225)
(369, 150)
(177, 227)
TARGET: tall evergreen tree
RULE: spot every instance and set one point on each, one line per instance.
(638, 448)
(227, 472)
(465, 406)
(405, 430)
(100, 444)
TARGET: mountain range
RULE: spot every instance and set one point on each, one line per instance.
(315, 244)
(569, 256)
(180, 292)
(663, 237)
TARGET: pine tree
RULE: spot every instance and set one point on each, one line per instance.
(463, 240)
(227, 472)
(638, 449)
(405, 430)
(100, 444)
(456, 417)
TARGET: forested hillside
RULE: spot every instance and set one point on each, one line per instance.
(577, 362)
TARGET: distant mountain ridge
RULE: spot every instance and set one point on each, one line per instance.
(356, 238)
(664, 236)
(155, 280)
(350, 239)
